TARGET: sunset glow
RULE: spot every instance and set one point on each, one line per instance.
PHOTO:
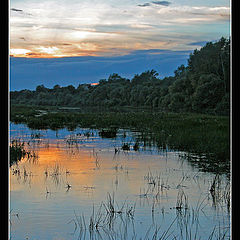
(109, 28)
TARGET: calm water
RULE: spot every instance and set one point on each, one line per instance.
(75, 175)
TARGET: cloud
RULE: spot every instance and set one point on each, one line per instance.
(163, 3)
(200, 43)
(22, 38)
(100, 28)
(144, 5)
(19, 51)
(16, 10)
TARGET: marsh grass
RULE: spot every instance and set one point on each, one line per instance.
(136, 146)
(56, 174)
(18, 152)
(108, 132)
(36, 135)
(56, 170)
(108, 221)
(188, 217)
(112, 221)
(97, 158)
(157, 186)
(204, 138)
(220, 192)
(126, 147)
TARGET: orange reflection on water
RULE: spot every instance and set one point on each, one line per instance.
(56, 163)
(84, 169)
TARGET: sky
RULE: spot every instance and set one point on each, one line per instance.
(63, 28)
(82, 41)
(27, 73)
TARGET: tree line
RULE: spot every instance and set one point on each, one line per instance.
(203, 86)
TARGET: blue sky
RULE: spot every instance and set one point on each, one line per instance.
(27, 73)
(110, 29)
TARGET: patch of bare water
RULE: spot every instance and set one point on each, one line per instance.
(82, 186)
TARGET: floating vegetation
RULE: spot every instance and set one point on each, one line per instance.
(136, 146)
(108, 133)
(126, 147)
(36, 135)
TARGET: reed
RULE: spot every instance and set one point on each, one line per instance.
(109, 221)
(108, 132)
(18, 152)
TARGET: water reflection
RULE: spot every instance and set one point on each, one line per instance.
(80, 187)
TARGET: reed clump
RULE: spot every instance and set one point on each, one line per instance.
(108, 132)
(18, 152)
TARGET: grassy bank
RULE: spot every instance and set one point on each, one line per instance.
(204, 138)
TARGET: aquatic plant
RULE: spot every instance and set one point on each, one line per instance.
(203, 138)
(18, 152)
(126, 146)
(108, 132)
